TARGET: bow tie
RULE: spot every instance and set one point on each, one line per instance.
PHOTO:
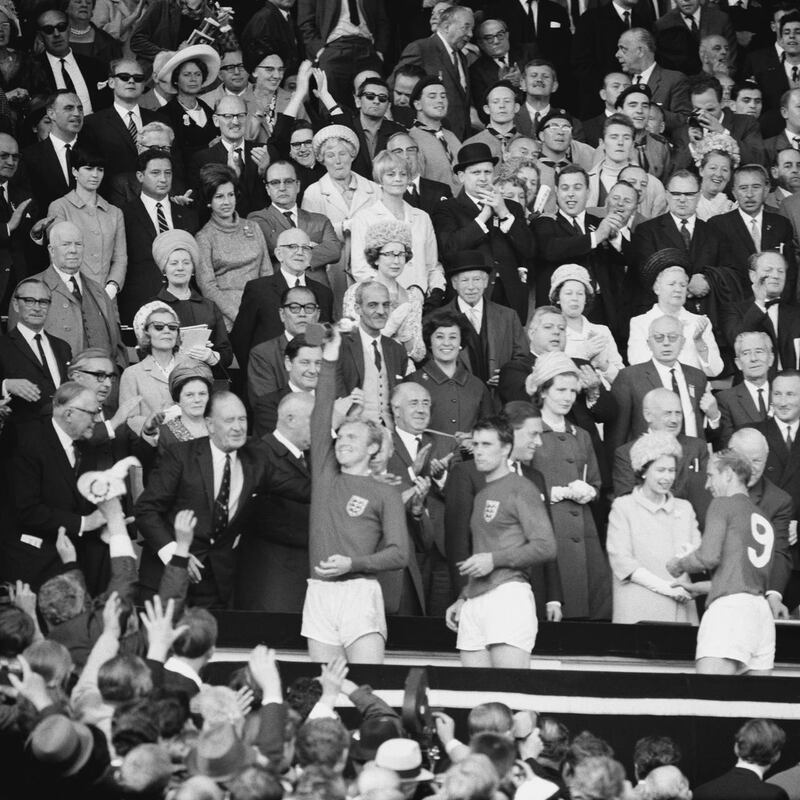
(769, 303)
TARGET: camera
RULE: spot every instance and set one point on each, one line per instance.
(693, 120)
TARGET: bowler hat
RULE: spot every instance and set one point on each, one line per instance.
(475, 153)
(65, 746)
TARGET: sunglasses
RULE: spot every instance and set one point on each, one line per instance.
(372, 96)
(136, 77)
(159, 326)
(51, 29)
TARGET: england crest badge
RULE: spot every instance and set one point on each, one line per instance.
(490, 510)
(356, 505)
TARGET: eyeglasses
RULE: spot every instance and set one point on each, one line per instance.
(296, 308)
(372, 96)
(275, 182)
(669, 337)
(8, 156)
(304, 143)
(100, 377)
(232, 67)
(89, 411)
(159, 326)
(682, 194)
(231, 117)
(494, 37)
(401, 151)
(136, 77)
(394, 254)
(298, 248)
(42, 302)
(51, 29)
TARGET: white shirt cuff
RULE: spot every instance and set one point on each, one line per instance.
(482, 225)
(112, 434)
(120, 545)
(167, 551)
(322, 711)
(506, 224)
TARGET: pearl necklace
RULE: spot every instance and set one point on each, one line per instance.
(76, 32)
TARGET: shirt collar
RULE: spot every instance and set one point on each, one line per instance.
(291, 280)
(66, 277)
(689, 220)
(233, 145)
(29, 333)
(542, 112)
(218, 456)
(579, 218)
(69, 58)
(407, 438)
(173, 664)
(464, 308)
(620, 11)
(66, 441)
(645, 74)
(59, 144)
(740, 764)
(290, 446)
(449, 49)
(123, 112)
(665, 371)
(366, 339)
(150, 203)
(748, 219)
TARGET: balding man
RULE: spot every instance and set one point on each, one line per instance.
(714, 54)
(273, 560)
(112, 132)
(790, 135)
(81, 313)
(776, 505)
(230, 116)
(661, 409)
(665, 341)
(259, 318)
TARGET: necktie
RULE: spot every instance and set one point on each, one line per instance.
(536, 117)
(352, 7)
(161, 218)
(459, 72)
(418, 440)
(132, 129)
(531, 17)
(576, 226)
(685, 235)
(76, 457)
(795, 74)
(796, 140)
(769, 303)
(290, 217)
(439, 134)
(789, 441)
(238, 160)
(677, 390)
(68, 161)
(475, 318)
(626, 16)
(755, 234)
(220, 515)
(376, 355)
(65, 76)
(76, 290)
(641, 153)
(302, 459)
(297, 282)
(690, 21)
(637, 79)
(762, 406)
(42, 357)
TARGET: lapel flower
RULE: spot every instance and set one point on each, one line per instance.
(186, 120)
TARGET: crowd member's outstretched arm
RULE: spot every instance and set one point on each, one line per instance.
(272, 713)
(174, 583)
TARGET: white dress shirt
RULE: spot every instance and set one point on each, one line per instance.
(237, 476)
(748, 223)
(66, 442)
(150, 206)
(664, 372)
(71, 65)
(473, 313)
(59, 145)
(291, 280)
(173, 664)
(793, 138)
(644, 75)
(753, 390)
(787, 428)
(690, 221)
(410, 441)
(68, 278)
(124, 114)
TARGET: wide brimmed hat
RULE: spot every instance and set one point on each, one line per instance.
(475, 153)
(194, 52)
(466, 261)
(63, 745)
(219, 753)
(333, 132)
(661, 260)
(404, 757)
(166, 243)
(569, 272)
(549, 366)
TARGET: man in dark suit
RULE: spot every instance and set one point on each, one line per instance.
(266, 364)
(369, 123)
(369, 360)
(767, 312)
(30, 379)
(613, 85)
(441, 54)
(143, 223)
(231, 149)
(274, 28)
(48, 459)
(16, 220)
(284, 213)
(702, 20)
(216, 478)
(422, 193)
(496, 335)
(112, 132)
(789, 136)
(480, 219)
(46, 164)
(705, 92)
(273, 560)
(573, 236)
(259, 317)
(59, 68)
(302, 362)
(360, 44)
(752, 228)
(758, 746)
(540, 83)
(464, 482)
(593, 53)
(665, 340)
(747, 403)
(661, 409)
(636, 52)
(783, 463)
(682, 229)
(550, 32)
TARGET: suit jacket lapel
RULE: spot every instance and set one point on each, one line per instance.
(741, 231)
(60, 457)
(671, 230)
(54, 166)
(206, 466)
(122, 130)
(144, 218)
(747, 403)
(22, 344)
